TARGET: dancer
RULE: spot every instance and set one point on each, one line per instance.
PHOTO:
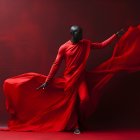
(75, 53)
(55, 108)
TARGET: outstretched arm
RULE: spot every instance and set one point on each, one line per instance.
(105, 43)
(54, 68)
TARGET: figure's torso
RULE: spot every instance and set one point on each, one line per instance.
(74, 55)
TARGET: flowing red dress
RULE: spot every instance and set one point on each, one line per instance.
(54, 109)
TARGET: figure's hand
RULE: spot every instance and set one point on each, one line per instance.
(42, 86)
(120, 33)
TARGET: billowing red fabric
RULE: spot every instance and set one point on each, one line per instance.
(125, 58)
(55, 109)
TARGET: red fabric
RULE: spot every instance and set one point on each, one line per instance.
(126, 58)
(55, 108)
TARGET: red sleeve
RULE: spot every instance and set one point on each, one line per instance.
(103, 44)
(56, 64)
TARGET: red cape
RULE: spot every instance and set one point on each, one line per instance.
(52, 109)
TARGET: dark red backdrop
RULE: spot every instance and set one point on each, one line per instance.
(32, 30)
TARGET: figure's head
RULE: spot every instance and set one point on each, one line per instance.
(77, 33)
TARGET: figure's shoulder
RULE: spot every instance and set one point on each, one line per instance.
(86, 41)
(67, 43)
(64, 46)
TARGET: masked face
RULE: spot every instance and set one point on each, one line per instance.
(76, 33)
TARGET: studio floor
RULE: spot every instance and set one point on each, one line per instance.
(90, 135)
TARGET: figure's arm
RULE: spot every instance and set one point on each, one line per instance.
(56, 64)
(54, 68)
(105, 43)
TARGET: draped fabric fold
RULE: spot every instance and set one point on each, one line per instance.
(54, 109)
